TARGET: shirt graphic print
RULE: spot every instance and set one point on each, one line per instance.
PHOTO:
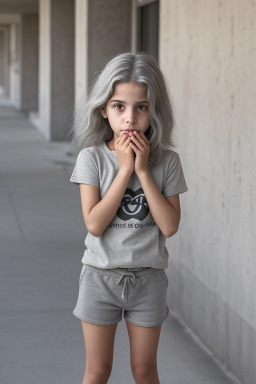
(133, 205)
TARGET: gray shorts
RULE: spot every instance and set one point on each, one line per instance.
(105, 293)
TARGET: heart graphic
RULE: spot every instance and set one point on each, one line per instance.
(133, 205)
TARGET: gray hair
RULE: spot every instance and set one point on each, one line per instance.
(90, 128)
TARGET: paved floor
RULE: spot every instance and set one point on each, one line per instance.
(42, 241)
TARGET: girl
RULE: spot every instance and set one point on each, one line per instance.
(129, 185)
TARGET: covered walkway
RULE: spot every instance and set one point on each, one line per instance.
(42, 241)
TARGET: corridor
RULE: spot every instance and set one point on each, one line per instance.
(42, 242)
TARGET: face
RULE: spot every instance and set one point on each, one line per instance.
(127, 109)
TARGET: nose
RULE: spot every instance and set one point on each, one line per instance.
(130, 116)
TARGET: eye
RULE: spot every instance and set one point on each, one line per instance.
(141, 107)
(119, 107)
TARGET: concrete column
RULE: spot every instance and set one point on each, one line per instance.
(6, 83)
(1, 61)
(109, 29)
(29, 62)
(45, 67)
(14, 66)
(103, 29)
(56, 67)
(81, 48)
(11, 52)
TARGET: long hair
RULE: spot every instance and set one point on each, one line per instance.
(90, 128)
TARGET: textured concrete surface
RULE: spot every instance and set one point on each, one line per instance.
(109, 32)
(42, 242)
(14, 62)
(208, 53)
(56, 68)
(2, 57)
(29, 62)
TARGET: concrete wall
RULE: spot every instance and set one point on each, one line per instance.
(29, 63)
(109, 32)
(14, 66)
(1, 60)
(81, 48)
(18, 62)
(5, 57)
(56, 67)
(102, 29)
(208, 54)
(45, 66)
(62, 56)
(15, 7)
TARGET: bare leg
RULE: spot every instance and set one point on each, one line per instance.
(99, 345)
(143, 346)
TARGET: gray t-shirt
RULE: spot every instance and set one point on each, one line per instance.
(132, 239)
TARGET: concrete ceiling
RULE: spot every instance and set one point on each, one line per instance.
(18, 6)
(18, 2)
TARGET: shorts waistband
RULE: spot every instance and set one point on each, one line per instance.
(141, 271)
(125, 276)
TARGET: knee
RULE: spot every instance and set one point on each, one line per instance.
(145, 373)
(97, 374)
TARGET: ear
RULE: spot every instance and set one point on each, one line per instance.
(103, 112)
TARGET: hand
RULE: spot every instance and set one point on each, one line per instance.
(141, 147)
(124, 152)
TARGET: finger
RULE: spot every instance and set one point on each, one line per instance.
(117, 142)
(119, 137)
(134, 147)
(138, 142)
(123, 138)
(142, 137)
(123, 143)
(127, 142)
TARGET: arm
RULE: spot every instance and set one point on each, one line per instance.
(97, 213)
(165, 211)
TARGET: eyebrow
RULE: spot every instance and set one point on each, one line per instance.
(123, 102)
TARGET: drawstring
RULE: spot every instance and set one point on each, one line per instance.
(126, 278)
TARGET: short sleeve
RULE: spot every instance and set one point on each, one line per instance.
(85, 170)
(175, 181)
